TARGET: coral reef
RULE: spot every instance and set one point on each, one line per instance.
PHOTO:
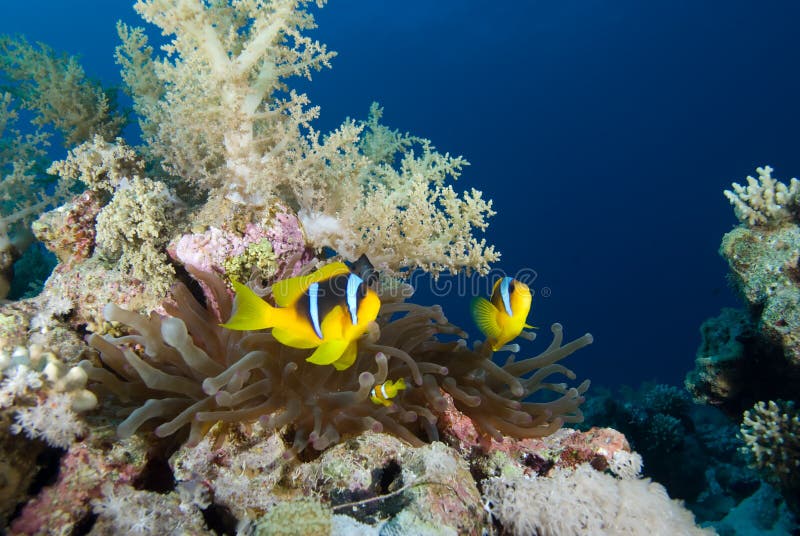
(693, 450)
(763, 258)
(754, 355)
(749, 362)
(735, 364)
(764, 264)
(168, 423)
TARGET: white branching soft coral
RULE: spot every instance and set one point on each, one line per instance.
(216, 112)
(387, 195)
(99, 164)
(208, 109)
(765, 201)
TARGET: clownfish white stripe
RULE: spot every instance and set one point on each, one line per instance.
(504, 293)
(313, 308)
(353, 283)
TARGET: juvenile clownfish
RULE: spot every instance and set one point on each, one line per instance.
(502, 318)
(328, 309)
(383, 393)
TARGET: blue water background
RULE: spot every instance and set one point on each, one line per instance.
(605, 131)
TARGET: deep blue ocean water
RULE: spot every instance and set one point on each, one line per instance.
(605, 131)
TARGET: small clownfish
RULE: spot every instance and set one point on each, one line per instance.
(383, 393)
(328, 309)
(502, 318)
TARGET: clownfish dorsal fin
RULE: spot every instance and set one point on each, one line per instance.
(485, 316)
(288, 291)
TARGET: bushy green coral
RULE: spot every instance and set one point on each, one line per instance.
(56, 91)
(258, 257)
(55, 88)
(22, 158)
(133, 229)
(99, 164)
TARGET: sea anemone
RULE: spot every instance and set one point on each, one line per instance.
(184, 370)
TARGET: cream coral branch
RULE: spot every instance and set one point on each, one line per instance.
(765, 201)
(223, 66)
(212, 115)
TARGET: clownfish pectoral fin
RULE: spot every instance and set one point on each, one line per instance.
(485, 316)
(328, 352)
(250, 312)
(348, 357)
(288, 291)
(294, 338)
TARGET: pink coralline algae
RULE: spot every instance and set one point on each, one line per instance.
(69, 231)
(565, 448)
(210, 250)
(288, 242)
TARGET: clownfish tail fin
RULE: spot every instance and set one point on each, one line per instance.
(250, 311)
(485, 316)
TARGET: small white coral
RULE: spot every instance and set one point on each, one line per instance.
(121, 509)
(771, 432)
(765, 201)
(45, 395)
(52, 420)
(626, 465)
(18, 382)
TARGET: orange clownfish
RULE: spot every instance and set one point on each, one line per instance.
(328, 309)
(502, 318)
(383, 393)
